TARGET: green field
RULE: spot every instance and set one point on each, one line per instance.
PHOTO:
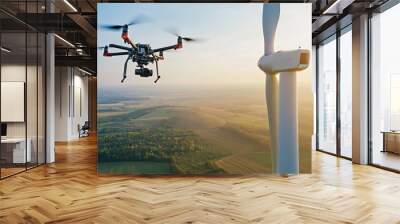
(129, 167)
(186, 133)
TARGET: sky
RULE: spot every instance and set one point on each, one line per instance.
(232, 41)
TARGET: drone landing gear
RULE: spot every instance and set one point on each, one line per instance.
(158, 76)
(125, 65)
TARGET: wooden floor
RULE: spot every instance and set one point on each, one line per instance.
(70, 191)
(387, 159)
(5, 172)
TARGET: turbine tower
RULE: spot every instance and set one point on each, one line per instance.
(281, 69)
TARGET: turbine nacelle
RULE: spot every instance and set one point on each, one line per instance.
(285, 61)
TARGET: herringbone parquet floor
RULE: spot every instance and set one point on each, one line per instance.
(70, 191)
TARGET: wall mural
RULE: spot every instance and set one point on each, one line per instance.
(189, 88)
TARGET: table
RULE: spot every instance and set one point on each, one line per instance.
(391, 141)
(15, 148)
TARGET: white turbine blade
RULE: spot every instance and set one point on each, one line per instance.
(272, 98)
(270, 20)
(271, 13)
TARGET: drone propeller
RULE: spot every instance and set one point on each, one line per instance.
(189, 39)
(137, 20)
(176, 33)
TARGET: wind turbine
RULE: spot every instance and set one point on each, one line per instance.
(281, 69)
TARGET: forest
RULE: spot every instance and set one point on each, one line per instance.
(182, 149)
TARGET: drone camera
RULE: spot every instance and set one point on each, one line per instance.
(143, 72)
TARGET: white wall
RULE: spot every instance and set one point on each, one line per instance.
(62, 82)
(71, 102)
(80, 104)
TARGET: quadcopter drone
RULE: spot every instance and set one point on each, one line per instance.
(142, 54)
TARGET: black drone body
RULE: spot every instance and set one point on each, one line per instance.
(141, 54)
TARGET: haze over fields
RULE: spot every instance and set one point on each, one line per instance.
(193, 130)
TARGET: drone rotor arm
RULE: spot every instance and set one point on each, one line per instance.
(107, 54)
(120, 47)
(127, 39)
(133, 45)
(172, 47)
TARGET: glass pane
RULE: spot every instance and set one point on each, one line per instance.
(31, 98)
(327, 96)
(346, 94)
(386, 89)
(23, 82)
(41, 98)
(13, 86)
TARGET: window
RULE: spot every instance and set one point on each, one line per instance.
(385, 89)
(346, 75)
(335, 74)
(22, 77)
(327, 96)
(394, 102)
